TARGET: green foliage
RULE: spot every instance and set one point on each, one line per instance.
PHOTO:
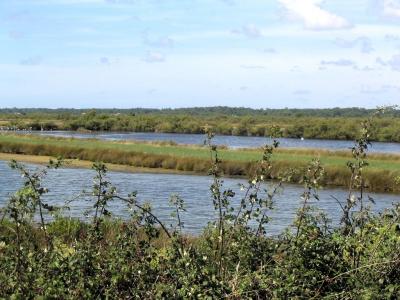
(335, 123)
(234, 258)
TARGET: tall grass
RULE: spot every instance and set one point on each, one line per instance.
(381, 175)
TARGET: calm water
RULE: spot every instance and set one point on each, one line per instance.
(230, 141)
(67, 184)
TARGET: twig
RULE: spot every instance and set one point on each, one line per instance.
(146, 211)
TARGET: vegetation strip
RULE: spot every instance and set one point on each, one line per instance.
(85, 164)
(382, 174)
(334, 124)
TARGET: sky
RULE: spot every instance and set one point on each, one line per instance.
(184, 53)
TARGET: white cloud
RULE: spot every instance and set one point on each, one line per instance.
(393, 62)
(206, 78)
(253, 67)
(363, 42)
(270, 50)
(391, 8)
(105, 60)
(31, 61)
(160, 42)
(392, 38)
(154, 57)
(249, 30)
(301, 92)
(15, 35)
(367, 89)
(313, 16)
(339, 63)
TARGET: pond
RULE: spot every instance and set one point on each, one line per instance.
(67, 184)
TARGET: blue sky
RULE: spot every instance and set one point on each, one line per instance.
(181, 53)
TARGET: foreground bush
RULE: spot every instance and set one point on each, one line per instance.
(120, 261)
(234, 258)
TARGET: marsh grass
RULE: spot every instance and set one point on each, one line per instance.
(380, 176)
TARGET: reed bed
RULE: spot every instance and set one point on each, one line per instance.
(381, 176)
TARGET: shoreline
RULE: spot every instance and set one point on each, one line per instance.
(86, 164)
(382, 175)
(95, 132)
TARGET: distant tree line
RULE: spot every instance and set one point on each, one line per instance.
(336, 123)
(205, 111)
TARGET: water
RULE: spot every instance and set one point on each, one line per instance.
(230, 141)
(67, 184)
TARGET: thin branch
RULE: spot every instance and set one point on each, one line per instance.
(146, 211)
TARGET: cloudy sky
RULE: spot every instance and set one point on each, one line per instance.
(180, 53)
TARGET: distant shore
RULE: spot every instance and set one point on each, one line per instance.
(330, 124)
